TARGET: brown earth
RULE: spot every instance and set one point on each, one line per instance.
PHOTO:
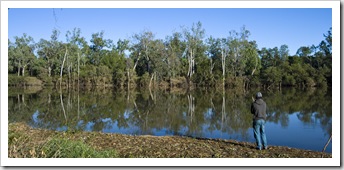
(149, 146)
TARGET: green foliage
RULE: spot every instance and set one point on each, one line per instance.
(88, 74)
(14, 80)
(119, 78)
(21, 54)
(144, 80)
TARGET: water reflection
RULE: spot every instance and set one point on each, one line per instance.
(199, 113)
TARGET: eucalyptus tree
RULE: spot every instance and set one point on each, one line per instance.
(116, 65)
(218, 51)
(284, 52)
(49, 50)
(141, 49)
(175, 47)
(21, 53)
(326, 45)
(194, 39)
(235, 47)
(98, 47)
(276, 66)
(305, 52)
(11, 57)
(159, 60)
(214, 54)
(224, 53)
(120, 60)
(122, 46)
(252, 58)
(325, 56)
(78, 49)
(242, 52)
(266, 57)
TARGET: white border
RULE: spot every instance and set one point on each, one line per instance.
(334, 161)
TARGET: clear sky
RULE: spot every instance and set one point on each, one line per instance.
(269, 27)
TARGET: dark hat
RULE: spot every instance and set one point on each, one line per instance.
(259, 95)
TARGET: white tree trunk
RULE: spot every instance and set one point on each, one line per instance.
(78, 69)
(255, 67)
(223, 59)
(64, 58)
(23, 70)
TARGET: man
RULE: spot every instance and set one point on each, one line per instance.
(258, 109)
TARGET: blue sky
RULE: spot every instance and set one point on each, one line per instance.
(269, 27)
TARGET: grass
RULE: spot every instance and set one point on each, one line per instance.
(65, 148)
(22, 145)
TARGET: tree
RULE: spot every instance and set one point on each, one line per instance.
(272, 76)
(284, 52)
(175, 50)
(98, 45)
(49, 51)
(193, 38)
(21, 53)
(11, 57)
(158, 60)
(224, 53)
(115, 62)
(266, 57)
(305, 53)
(122, 45)
(77, 47)
(237, 43)
(141, 50)
(214, 54)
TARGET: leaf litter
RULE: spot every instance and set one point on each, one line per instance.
(25, 141)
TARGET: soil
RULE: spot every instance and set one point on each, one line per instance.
(146, 146)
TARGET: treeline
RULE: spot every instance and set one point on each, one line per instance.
(183, 59)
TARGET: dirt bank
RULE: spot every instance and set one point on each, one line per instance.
(25, 141)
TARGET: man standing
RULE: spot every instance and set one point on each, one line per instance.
(258, 109)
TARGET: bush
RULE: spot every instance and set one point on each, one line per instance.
(32, 81)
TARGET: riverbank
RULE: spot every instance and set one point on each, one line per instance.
(27, 142)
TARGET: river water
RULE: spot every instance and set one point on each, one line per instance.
(296, 118)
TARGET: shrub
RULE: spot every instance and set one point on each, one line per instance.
(32, 81)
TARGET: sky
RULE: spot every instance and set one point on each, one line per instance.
(269, 27)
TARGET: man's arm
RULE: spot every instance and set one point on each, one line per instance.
(252, 108)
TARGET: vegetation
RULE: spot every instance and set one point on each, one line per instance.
(183, 59)
(56, 145)
(27, 142)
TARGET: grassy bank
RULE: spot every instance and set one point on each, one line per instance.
(27, 142)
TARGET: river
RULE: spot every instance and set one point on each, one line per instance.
(296, 118)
